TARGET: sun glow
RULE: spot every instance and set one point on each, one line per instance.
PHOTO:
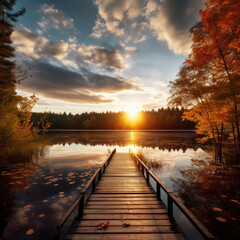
(132, 114)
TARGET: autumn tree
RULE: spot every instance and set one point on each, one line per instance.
(192, 89)
(15, 110)
(221, 21)
(209, 80)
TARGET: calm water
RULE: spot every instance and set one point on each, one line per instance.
(36, 191)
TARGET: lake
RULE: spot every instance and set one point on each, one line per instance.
(36, 190)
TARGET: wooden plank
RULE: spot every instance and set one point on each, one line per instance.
(103, 236)
(123, 175)
(130, 229)
(121, 184)
(127, 206)
(116, 191)
(110, 216)
(117, 211)
(144, 188)
(123, 199)
(123, 196)
(117, 195)
(120, 222)
(122, 202)
(125, 190)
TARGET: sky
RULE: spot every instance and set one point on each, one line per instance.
(102, 55)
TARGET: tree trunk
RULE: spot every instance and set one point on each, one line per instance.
(233, 96)
(220, 147)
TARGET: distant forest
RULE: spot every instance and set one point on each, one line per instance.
(164, 118)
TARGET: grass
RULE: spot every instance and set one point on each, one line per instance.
(150, 162)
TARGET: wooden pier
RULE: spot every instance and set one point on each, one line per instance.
(122, 199)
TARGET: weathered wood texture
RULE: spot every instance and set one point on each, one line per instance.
(123, 197)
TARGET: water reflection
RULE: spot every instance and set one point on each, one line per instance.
(36, 189)
(151, 139)
(36, 193)
(213, 194)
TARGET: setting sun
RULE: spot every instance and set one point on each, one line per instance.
(132, 114)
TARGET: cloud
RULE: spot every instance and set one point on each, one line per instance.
(130, 49)
(79, 87)
(36, 47)
(140, 40)
(151, 7)
(171, 21)
(57, 50)
(167, 20)
(108, 58)
(114, 17)
(159, 96)
(53, 18)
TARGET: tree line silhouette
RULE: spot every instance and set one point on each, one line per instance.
(164, 118)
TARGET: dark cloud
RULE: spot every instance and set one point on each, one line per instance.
(171, 20)
(182, 14)
(60, 83)
(58, 50)
(109, 58)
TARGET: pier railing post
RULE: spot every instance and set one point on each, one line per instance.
(57, 234)
(93, 184)
(100, 175)
(147, 173)
(158, 191)
(80, 207)
(170, 206)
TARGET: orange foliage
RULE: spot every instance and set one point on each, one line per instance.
(209, 81)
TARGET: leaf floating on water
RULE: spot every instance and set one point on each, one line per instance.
(102, 226)
(55, 185)
(235, 201)
(221, 219)
(41, 215)
(30, 231)
(126, 224)
(45, 200)
(217, 209)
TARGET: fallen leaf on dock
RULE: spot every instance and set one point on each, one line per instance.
(126, 224)
(101, 226)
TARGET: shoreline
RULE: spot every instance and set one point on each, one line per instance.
(120, 130)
